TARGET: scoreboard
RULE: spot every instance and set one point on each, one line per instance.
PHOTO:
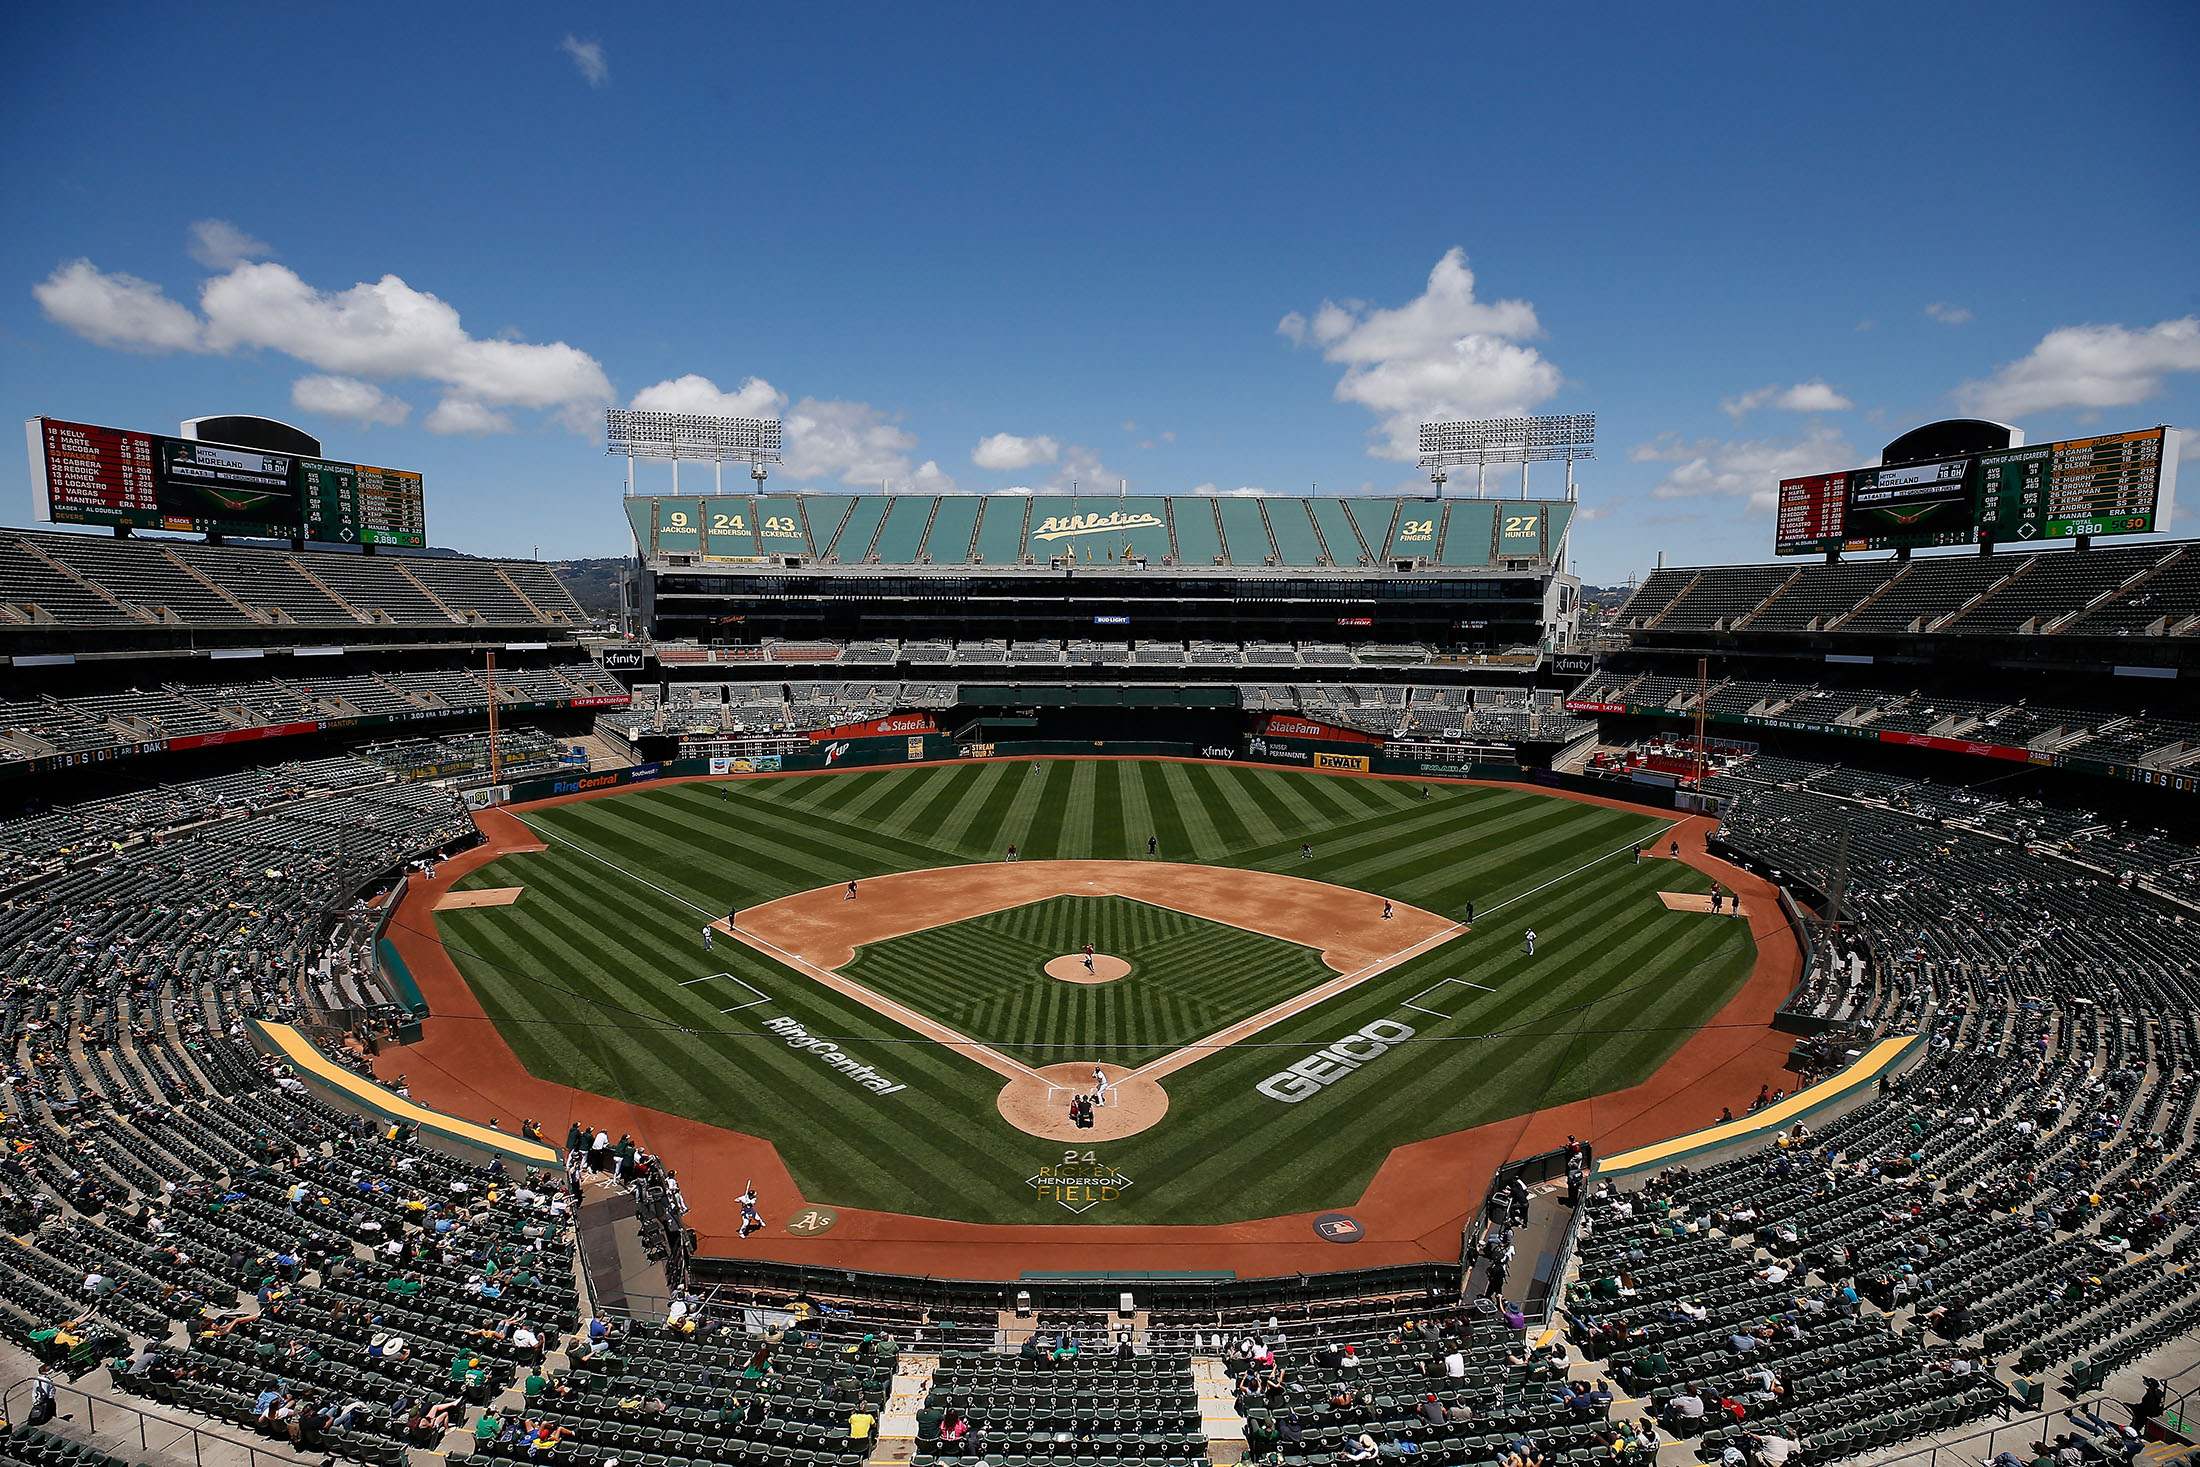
(2115, 484)
(352, 504)
(86, 475)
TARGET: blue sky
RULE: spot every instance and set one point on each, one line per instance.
(1189, 247)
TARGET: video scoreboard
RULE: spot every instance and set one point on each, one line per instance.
(85, 475)
(2115, 484)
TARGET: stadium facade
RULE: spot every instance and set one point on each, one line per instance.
(1479, 574)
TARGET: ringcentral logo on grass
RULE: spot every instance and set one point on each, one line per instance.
(798, 1037)
(1328, 1066)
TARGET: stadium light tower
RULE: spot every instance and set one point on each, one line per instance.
(1486, 441)
(694, 436)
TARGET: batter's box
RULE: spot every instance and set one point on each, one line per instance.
(1414, 1002)
(761, 995)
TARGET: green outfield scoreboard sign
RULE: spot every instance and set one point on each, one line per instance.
(2114, 484)
(86, 475)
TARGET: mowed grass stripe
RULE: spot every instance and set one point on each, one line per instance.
(1617, 982)
(986, 976)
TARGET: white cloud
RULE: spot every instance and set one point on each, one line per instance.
(1129, 426)
(852, 442)
(120, 311)
(386, 330)
(1082, 470)
(693, 393)
(349, 399)
(1948, 315)
(1248, 491)
(456, 415)
(1169, 437)
(849, 442)
(1747, 469)
(1442, 354)
(217, 244)
(930, 478)
(2087, 367)
(1006, 451)
(1814, 396)
(589, 58)
(1203, 488)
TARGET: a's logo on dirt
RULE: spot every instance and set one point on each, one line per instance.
(1079, 1186)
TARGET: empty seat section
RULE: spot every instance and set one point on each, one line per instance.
(1469, 525)
(1198, 536)
(265, 580)
(1338, 535)
(908, 516)
(1824, 593)
(852, 546)
(372, 583)
(1292, 528)
(139, 573)
(1001, 530)
(1933, 588)
(953, 523)
(473, 586)
(544, 590)
(1727, 594)
(26, 581)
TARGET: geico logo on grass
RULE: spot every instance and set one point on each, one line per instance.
(1328, 1066)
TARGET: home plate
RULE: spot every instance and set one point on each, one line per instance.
(1696, 901)
(486, 896)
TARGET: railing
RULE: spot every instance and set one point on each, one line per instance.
(156, 1433)
(2016, 1437)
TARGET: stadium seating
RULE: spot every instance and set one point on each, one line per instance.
(2121, 590)
(93, 579)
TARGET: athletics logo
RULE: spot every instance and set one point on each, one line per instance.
(1057, 527)
(1080, 1183)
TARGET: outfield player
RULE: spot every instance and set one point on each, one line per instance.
(1306, 851)
(706, 937)
(1531, 942)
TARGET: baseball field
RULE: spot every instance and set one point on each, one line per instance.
(1283, 986)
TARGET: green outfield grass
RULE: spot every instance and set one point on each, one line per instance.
(587, 974)
(986, 977)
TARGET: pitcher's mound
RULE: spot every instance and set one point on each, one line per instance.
(1041, 1106)
(1070, 968)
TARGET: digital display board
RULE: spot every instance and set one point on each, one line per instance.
(353, 504)
(1911, 505)
(85, 475)
(2114, 484)
(2084, 486)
